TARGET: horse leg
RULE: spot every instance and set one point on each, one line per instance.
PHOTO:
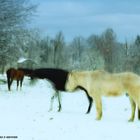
(133, 108)
(138, 110)
(98, 104)
(90, 103)
(52, 100)
(10, 83)
(138, 113)
(59, 101)
(17, 84)
(21, 81)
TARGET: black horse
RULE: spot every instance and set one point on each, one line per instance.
(58, 78)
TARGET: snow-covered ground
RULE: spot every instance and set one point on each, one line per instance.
(25, 114)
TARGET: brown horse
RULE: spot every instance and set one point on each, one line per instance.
(13, 74)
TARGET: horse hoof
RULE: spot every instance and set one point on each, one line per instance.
(59, 110)
(130, 120)
(98, 119)
(51, 119)
(49, 110)
(87, 112)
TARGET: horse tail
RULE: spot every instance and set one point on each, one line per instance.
(8, 73)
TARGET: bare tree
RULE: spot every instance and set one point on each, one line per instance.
(134, 55)
(105, 44)
(13, 16)
(58, 44)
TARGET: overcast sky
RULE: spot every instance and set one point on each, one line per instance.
(86, 17)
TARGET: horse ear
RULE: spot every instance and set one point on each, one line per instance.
(70, 74)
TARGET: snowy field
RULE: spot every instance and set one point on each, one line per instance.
(25, 114)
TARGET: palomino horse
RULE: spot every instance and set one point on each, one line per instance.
(13, 74)
(101, 83)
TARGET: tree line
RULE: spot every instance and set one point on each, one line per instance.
(102, 51)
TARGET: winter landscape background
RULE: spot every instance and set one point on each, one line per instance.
(71, 35)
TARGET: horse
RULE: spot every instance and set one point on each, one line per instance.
(14, 74)
(100, 83)
(58, 78)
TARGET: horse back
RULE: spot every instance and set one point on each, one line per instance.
(15, 74)
(58, 77)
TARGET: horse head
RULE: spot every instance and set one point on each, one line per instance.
(71, 83)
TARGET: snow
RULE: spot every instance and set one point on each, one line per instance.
(25, 114)
(21, 60)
